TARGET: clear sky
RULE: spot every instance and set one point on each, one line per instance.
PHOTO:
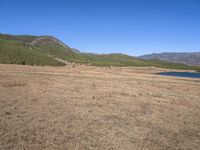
(132, 27)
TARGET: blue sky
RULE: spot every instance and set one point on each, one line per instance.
(133, 27)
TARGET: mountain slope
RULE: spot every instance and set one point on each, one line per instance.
(48, 50)
(125, 60)
(45, 45)
(14, 52)
(186, 58)
(56, 48)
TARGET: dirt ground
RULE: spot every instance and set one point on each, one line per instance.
(97, 108)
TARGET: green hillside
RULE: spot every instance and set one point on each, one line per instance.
(43, 50)
(13, 52)
(125, 60)
(54, 47)
(19, 38)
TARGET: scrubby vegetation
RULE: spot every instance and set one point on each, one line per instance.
(42, 50)
(13, 52)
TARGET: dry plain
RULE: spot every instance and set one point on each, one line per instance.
(97, 108)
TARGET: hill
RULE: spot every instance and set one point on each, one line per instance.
(48, 50)
(45, 45)
(186, 58)
(14, 52)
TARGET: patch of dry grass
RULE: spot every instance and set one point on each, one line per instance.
(13, 84)
(87, 107)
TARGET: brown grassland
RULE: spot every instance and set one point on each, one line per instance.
(97, 108)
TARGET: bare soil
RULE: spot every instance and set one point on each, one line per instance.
(97, 108)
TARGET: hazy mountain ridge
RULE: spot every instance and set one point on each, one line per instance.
(192, 58)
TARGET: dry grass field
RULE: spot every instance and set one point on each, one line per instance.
(97, 108)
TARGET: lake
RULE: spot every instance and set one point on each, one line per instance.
(181, 74)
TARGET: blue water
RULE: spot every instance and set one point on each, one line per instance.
(181, 74)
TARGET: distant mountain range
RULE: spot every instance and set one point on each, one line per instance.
(186, 58)
(48, 50)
